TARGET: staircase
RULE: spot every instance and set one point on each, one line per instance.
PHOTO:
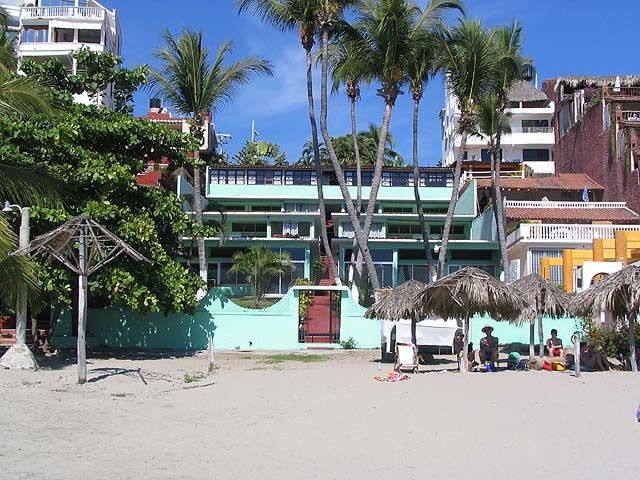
(329, 281)
(318, 318)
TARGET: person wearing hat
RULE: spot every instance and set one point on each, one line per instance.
(488, 346)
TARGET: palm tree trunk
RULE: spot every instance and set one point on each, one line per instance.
(442, 256)
(498, 209)
(416, 192)
(318, 163)
(197, 200)
(356, 276)
(363, 244)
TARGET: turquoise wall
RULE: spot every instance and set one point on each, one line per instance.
(233, 326)
(509, 333)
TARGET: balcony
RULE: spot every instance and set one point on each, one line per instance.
(566, 232)
(84, 13)
(556, 205)
(631, 116)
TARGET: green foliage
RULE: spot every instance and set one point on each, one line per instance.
(302, 282)
(260, 266)
(250, 302)
(260, 153)
(349, 344)
(612, 340)
(96, 155)
(96, 71)
(304, 302)
(293, 357)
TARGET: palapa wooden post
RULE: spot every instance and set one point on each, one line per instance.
(82, 306)
(532, 336)
(632, 342)
(464, 368)
(576, 356)
(210, 352)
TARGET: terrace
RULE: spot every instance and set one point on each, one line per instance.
(562, 232)
(84, 13)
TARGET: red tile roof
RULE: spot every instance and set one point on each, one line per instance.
(149, 179)
(562, 181)
(570, 215)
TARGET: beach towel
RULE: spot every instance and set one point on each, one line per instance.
(392, 377)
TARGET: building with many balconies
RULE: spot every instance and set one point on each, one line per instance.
(278, 207)
(597, 131)
(530, 141)
(57, 28)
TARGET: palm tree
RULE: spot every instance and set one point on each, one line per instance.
(384, 33)
(300, 15)
(391, 158)
(511, 66)
(194, 86)
(420, 68)
(466, 56)
(260, 266)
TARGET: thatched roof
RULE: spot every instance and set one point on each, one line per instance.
(541, 299)
(523, 91)
(576, 81)
(468, 292)
(398, 303)
(618, 294)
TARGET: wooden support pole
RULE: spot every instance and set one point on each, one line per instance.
(598, 250)
(632, 342)
(540, 337)
(210, 353)
(576, 356)
(567, 270)
(621, 247)
(465, 348)
(532, 336)
(82, 306)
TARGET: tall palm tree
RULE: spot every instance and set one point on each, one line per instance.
(385, 33)
(419, 69)
(300, 15)
(466, 56)
(511, 66)
(194, 87)
(391, 158)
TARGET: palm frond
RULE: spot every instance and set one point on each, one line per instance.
(26, 187)
(24, 96)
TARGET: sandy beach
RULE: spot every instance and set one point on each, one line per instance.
(256, 417)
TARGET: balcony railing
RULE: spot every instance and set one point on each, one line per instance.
(626, 91)
(89, 13)
(545, 204)
(631, 116)
(531, 129)
(566, 232)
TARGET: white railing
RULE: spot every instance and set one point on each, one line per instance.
(531, 129)
(470, 175)
(580, 205)
(631, 116)
(567, 232)
(62, 12)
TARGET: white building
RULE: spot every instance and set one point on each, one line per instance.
(531, 139)
(57, 28)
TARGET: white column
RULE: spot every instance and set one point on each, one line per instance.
(21, 305)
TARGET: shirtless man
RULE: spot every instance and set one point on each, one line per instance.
(554, 345)
(488, 346)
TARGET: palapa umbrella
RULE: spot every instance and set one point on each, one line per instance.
(398, 304)
(540, 299)
(465, 293)
(619, 295)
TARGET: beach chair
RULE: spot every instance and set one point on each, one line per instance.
(407, 358)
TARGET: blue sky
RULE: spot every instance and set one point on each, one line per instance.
(563, 38)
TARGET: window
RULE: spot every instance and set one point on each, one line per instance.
(300, 177)
(404, 229)
(89, 36)
(485, 156)
(252, 229)
(397, 179)
(37, 35)
(266, 208)
(227, 177)
(535, 126)
(457, 231)
(535, 155)
(264, 177)
(436, 179)
(232, 208)
(367, 179)
(300, 207)
(397, 209)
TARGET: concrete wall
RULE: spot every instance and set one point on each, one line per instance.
(233, 326)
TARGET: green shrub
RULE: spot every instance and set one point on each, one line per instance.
(612, 340)
(349, 344)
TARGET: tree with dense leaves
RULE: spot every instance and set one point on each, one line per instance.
(259, 154)
(96, 155)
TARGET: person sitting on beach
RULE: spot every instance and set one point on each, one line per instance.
(488, 346)
(458, 346)
(594, 360)
(554, 345)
